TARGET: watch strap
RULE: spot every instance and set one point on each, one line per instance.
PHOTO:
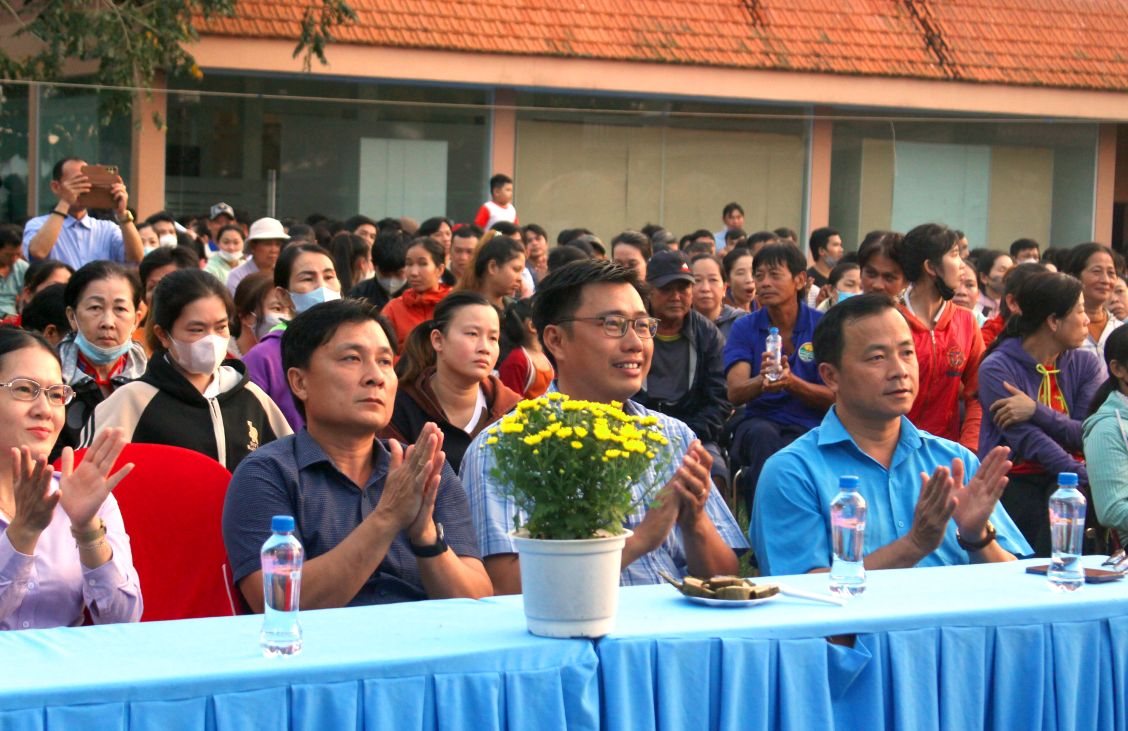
(977, 545)
(437, 548)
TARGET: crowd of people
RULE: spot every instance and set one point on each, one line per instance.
(346, 373)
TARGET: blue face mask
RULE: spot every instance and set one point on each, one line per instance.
(843, 296)
(305, 300)
(99, 355)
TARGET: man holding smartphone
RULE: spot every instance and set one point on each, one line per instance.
(70, 235)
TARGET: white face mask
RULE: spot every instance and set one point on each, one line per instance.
(230, 256)
(168, 240)
(304, 300)
(268, 322)
(392, 284)
(202, 357)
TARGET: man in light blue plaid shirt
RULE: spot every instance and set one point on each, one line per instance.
(594, 326)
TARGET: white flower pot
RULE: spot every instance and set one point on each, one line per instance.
(570, 588)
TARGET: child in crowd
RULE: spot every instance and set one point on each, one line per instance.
(500, 205)
(526, 368)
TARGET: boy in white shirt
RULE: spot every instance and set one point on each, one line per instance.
(500, 206)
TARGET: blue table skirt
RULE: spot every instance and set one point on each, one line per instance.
(950, 648)
(454, 664)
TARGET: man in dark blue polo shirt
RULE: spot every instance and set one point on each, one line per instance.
(778, 412)
(379, 524)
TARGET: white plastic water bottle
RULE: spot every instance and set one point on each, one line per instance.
(848, 533)
(1067, 530)
(281, 588)
(774, 347)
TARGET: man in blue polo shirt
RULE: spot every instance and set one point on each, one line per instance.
(379, 524)
(775, 412)
(929, 501)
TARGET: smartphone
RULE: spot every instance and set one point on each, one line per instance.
(102, 177)
(1092, 576)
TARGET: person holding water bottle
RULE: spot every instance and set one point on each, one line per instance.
(776, 380)
(929, 501)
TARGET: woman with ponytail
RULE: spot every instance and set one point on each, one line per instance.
(1106, 439)
(947, 340)
(1039, 383)
(445, 376)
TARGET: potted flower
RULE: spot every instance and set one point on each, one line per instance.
(568, 466)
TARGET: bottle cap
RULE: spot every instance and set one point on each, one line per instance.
(282, 523)
(848, 482)
(1067, 479)
(773, 331)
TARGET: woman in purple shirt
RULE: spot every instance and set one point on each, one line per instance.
(63, 548)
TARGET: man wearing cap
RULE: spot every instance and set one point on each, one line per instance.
(266, 239)
(687, 377)
(219, 216)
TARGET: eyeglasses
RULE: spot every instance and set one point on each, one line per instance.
(25, 389)
(615, 326)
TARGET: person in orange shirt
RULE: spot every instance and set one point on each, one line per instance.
(425, 261)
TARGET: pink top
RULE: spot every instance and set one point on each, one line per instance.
(51, 588)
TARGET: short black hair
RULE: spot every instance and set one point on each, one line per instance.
(830, 334)
(178, 290)
(10, 235)
(13, 338)
(637, 239)
(57, 170)
(48, 307)
(96, 271)
(434, 249)
(761, 237)
(783, 254)
(560, 256)
(1079, 256)
(299, 233)
(39, 272)
(316, 326)
(840, 269)
(926, 242)
(506, 228)
(784, 232)
(164, 216)
(389, 250)
(820, 239)
(284, 267)
(467, 231)
(984, 263)
(881, 243)
(559, 294)
(432, 225)
(534, 228)
(179, 256)
(730, 208)
(499, 180)
(354, 222)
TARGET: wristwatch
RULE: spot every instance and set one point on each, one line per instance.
(435, 549)
(978, 545)
(126, 217)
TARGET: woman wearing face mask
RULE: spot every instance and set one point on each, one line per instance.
(258, 310)
(947, 340)
(149, 240)
(445, 376)
(424, 271)
(188, 398)
(845, 281)
(229, 253)
(63, 547)
(303, 277)
(709, 292)
(100, 356)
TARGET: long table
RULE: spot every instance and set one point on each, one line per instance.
(455, 664)
(946, 648)
(941, 648)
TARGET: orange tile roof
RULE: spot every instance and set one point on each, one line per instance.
(1022, 42)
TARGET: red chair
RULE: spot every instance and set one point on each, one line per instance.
(172, 505)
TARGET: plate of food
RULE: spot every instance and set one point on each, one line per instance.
(727, 592)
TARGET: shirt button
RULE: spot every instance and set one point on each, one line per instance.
(92, 582)
(31, 586)
(26, 625)
(900, 524)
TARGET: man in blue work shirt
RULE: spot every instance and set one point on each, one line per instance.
(929, 501)
(775, 412)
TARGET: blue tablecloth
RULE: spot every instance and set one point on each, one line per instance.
(454, 664)
(942, 648)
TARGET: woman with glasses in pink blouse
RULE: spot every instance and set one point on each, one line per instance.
(63, 548)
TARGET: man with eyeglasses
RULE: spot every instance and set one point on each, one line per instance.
(592, 321)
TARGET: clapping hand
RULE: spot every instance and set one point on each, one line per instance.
(693, 482)
(413, 482)
(31, 483)
(976, 501)
(82, 490)
(933, 509)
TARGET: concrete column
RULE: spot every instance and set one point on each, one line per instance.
(147, 174)
(818, 177)
(503, 139)
(1105, 193)
(33, 193)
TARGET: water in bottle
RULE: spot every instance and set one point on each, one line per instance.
(774, 368)
(281, 587)
(1067, 530)
(848, 532)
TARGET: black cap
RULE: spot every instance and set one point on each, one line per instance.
(668, 266)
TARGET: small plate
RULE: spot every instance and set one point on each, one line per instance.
(729, 603)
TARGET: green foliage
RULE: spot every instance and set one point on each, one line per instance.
(131, 40)
(569, 465)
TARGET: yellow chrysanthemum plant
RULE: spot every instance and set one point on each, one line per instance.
(568, 464)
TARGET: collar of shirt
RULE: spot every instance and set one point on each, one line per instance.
(308, 453)
(909, 306)
(802, 321)
(833, 431)
(85, 222)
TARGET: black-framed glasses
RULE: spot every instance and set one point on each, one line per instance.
(615, 326)
(25, 389)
